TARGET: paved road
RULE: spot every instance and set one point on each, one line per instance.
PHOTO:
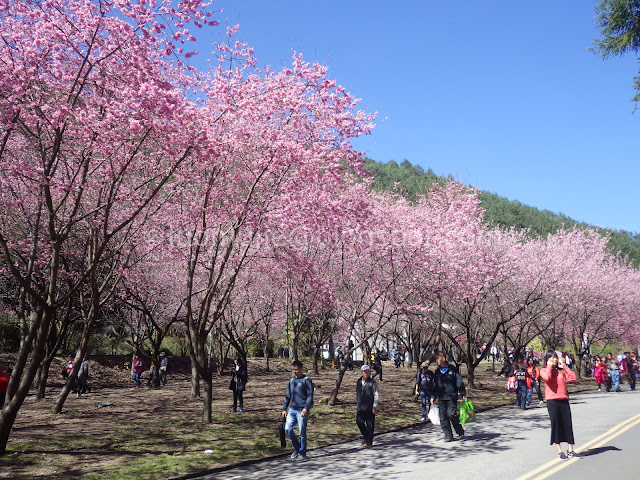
(506, 443)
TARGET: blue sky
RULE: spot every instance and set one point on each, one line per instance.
(503, 95)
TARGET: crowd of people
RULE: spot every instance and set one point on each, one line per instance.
(443, 387)
(610, 372)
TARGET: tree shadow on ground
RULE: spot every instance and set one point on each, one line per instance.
(422, 444)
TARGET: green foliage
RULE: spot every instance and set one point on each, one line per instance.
(9, 334)
(412, 181)
(255, 348)
(406, 179)
(619, 23)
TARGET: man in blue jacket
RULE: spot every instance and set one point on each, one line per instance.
(299, 400)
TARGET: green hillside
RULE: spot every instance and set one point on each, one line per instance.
(412, 180)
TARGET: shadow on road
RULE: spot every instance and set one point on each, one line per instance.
(596, 451)
(416, 445)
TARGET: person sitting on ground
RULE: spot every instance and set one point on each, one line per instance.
(507, 366)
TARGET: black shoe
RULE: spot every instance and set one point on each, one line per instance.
(448, 440)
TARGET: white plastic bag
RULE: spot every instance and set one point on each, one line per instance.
(434, 415)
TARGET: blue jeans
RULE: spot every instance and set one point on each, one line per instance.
(615, 378)
(426, 404)
(535, 385)
(136, 378)
(295, 417)
(521, 396)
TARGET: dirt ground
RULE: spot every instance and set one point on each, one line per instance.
(159, 430)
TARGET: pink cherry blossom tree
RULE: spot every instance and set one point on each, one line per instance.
(269, 136)
(94, 123)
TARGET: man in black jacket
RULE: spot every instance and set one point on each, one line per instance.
(366, 403)
(448, 385)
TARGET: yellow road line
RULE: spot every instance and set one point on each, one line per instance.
(566, 464)
(608, 435)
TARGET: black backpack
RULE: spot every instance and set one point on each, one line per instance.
(426, 380)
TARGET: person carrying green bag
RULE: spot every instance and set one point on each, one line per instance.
(449, 386)
(467, 412)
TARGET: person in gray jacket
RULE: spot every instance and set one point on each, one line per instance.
(83, 376)
(366, 404)
(299, 400)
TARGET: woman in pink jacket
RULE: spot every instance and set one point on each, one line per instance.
(601, 373)
(556, 375)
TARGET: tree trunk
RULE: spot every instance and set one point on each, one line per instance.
(43, 376)
(266, 355)
(266, 346)
(7, 418)
(316, 356)
(195, 381)
(471, 383)
(207, 380)
(334, 394)
(294, 346)
(24, 372)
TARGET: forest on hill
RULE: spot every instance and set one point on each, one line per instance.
(412, 180)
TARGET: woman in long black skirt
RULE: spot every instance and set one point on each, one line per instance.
(556, 375)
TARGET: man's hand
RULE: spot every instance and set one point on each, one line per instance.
(433, 401)
(373, 410)
(304, 412)
(464, 397)
(284, 413)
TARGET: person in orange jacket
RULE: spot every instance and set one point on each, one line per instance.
(556, 375)
(533, 381)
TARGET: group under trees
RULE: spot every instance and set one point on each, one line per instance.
(135, 189)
